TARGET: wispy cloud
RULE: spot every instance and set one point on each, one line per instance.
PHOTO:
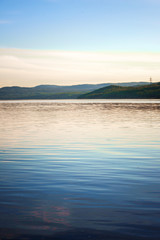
(5, 22)
(34, 67)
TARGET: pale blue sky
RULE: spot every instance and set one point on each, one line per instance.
(68, 42)
(81, 25)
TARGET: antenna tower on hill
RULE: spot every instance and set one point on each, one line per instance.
(150, 80)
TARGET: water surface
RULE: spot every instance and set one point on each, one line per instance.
(80, 169)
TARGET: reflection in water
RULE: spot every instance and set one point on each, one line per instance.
(73, 169)
(50, 216)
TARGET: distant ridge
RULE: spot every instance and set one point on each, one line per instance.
(55, 91)
(151, 91)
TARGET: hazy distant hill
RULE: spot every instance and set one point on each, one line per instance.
(54, 91)
(119, 92)
(47, 91)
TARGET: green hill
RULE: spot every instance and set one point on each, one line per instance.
(54, 91)
(118, 92)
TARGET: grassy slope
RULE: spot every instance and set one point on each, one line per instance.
(118, 92)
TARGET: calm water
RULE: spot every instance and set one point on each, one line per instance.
(80, 170)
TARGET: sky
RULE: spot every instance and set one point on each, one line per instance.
(69, 42)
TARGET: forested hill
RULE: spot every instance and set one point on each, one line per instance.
(54, 91)
(118, 92)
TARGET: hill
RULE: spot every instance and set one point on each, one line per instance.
(47, 91)
(53, 91)
(118, 92)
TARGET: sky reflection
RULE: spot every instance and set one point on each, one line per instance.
(79, 166)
